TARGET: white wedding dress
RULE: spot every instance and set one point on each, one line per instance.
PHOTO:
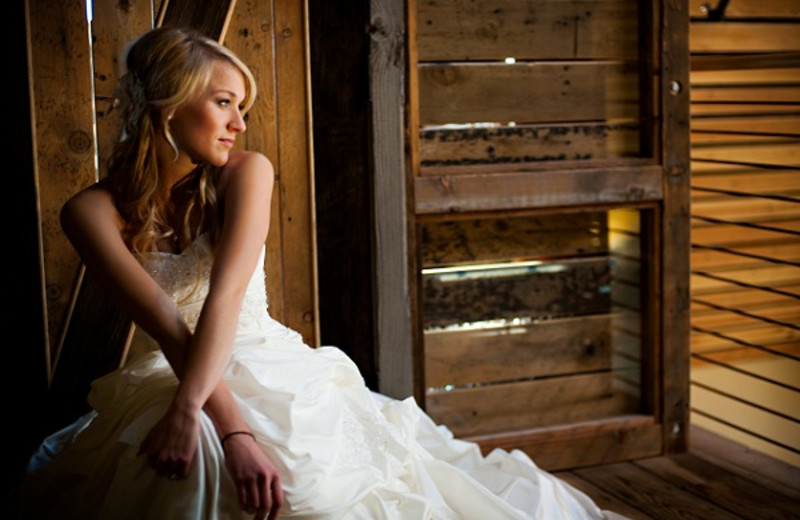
(343, 451)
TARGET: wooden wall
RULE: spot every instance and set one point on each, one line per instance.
(745, 92)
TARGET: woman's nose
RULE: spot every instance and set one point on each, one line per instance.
(237, 124)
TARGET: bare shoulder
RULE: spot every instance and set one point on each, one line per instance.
(249, 163)
(89, 206)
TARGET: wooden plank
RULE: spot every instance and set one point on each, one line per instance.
(774, 213)
(536, 189)
(756, 466)
(767, 276)
(497, 239)
(785, 154)
(62, 105)
(730, 37)
(210, 17)
(604, 500)
(783, 182)
(582, 445)
(294, 166)
(559, 288)
(757, 77)
(735, 110)
(527, 92)
(748, 299)
(782, 125)
(722, 233)
(113, 26)
(633, 484)
(442, 146)
(396, 341)
(528, 404)
(250, 37)
(530, 29)
(671, 312)
(732, 345)
(745, 61)
(718, 320)
(553, 347)
(750, 9)
(763, 93)
(703, 258)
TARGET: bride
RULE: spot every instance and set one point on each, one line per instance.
(221, 412)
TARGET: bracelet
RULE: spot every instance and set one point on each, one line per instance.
(231, 434)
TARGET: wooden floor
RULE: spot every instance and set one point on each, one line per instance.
(716, 479)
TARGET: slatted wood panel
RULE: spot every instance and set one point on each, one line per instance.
(545, 110)
(542, 107)
(745, 232)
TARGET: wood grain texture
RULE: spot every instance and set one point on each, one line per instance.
(536, 189)
(61, 78)
(527, 92)
(392, 219)
(494, 30)
(529, 404)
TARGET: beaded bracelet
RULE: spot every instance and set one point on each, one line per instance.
(231, 434)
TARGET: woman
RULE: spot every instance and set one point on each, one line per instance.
(221, 412)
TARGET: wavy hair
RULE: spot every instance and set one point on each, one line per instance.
(166, 67)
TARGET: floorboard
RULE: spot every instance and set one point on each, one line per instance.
(716, 480)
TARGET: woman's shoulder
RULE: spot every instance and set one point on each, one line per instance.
(246, 167)
(93, 202)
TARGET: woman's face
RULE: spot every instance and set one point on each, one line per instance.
(205, 128)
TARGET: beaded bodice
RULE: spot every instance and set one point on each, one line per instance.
(185, 279)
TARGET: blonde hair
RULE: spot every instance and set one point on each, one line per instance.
(166, 67)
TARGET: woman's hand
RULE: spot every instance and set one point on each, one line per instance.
(171, 444)
(256, 479)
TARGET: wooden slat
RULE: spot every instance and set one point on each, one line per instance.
(749, 9)
(705, 233)
(719, 320)
(502, 239)
(61, 87)
(294, 166)
(744, 37)
(113, 26)
(536, 189)
(746, 299)
(250, 37)
(733, 344)
(398, 374)
(764, 93)
(745, 61)
(556, 289)
(528, 404)
(583, 444)
(735, 458)
(786, 182)
(670, 300)
(554, 347)
(527, 92)
(781, 154)
(756, 77)
(711, 259)
(631, 483)
(767, 276)
(748, 209)
(210, 17)
(527, 143)
(746, 125)
(723, 488)
(530, 29)
(699, 110)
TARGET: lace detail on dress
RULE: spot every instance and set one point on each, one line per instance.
(185, 279)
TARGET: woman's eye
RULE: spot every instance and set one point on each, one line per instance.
(223, 102)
